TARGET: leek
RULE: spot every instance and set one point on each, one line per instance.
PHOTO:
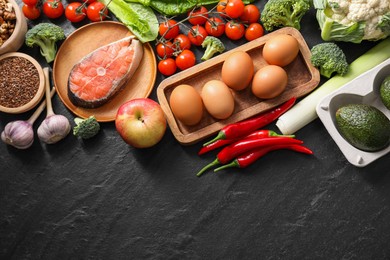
(304, 112)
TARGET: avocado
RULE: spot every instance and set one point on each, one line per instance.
(363, 126)
(384, 91)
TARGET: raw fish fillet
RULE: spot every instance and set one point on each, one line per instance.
(101, 74)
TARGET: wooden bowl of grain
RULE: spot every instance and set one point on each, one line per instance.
(14, 26)
(22, 83)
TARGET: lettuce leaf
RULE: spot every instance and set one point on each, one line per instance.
(176, 7)
(140, 19)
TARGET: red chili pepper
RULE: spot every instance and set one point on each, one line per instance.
(222, 142)
(250, 157)
(231, 151)
(245, 127)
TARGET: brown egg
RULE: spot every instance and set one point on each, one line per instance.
(218, 99)
(237, 70)
(186, 104)
(269, 82)
(281, 50)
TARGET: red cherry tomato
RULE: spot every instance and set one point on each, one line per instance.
(30, 2)
(197, 34)
(97, 11)
(234, 30)
(31, 12)
(254, 31)
(215, 26)
(198, 15)
(53, 8)
(251, 14)
(221, 7)
(75, 12)
(167, 66)
(185, 60)
(169, 29)
(182, 42)
(165, 49)
(234, 8)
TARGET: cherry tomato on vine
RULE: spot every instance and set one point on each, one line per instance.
(53, 8)
(165, 49)
(169, 29)
(215, 26)
(30, 2)
(254, 31)
(221, 7)
(97, 11)
(182, 42)
(198, 15)
(31, 12)
(197, 34)
(251, 14)
(185, 60)
(234, 30)
(167, 66)
(75, 12)
(234, 8)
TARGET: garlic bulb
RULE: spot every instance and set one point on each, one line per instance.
(19, 134)
(53, 129)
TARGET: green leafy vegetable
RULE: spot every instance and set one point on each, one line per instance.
(212, 45)
(86, 128)
(284, 13)
(175, 7)
(329, 58)
(139, 18)
(45, 35)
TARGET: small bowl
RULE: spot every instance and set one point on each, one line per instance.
(41, 88)
(16, 40)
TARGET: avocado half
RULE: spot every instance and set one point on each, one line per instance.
(363, 126)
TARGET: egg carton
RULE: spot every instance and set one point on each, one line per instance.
(364, 89)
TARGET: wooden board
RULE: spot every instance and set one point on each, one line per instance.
(303, 78)
(87, 39)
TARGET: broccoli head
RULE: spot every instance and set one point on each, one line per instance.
(86, 128)
(284, 13)
(212, 45)
(45, 35)
(329, 59)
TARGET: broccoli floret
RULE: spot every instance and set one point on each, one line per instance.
(45, 35)
(212, 45)
(86, 128)
(284, 13)
(329, 58)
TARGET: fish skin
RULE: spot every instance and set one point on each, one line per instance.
(103, 73)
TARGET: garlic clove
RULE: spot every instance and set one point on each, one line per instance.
(53, 129)
(19, 134)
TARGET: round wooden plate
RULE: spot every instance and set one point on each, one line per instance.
(87, 39)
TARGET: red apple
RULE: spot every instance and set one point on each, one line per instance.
(141, 122)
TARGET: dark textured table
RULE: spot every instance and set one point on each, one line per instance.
(102, 199)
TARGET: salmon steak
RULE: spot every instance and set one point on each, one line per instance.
(101, 74)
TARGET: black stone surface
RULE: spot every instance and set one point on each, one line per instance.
(102, 199)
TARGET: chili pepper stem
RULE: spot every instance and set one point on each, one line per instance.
(232, 164)
(208, 166)
(278, 135)
(220, 135)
